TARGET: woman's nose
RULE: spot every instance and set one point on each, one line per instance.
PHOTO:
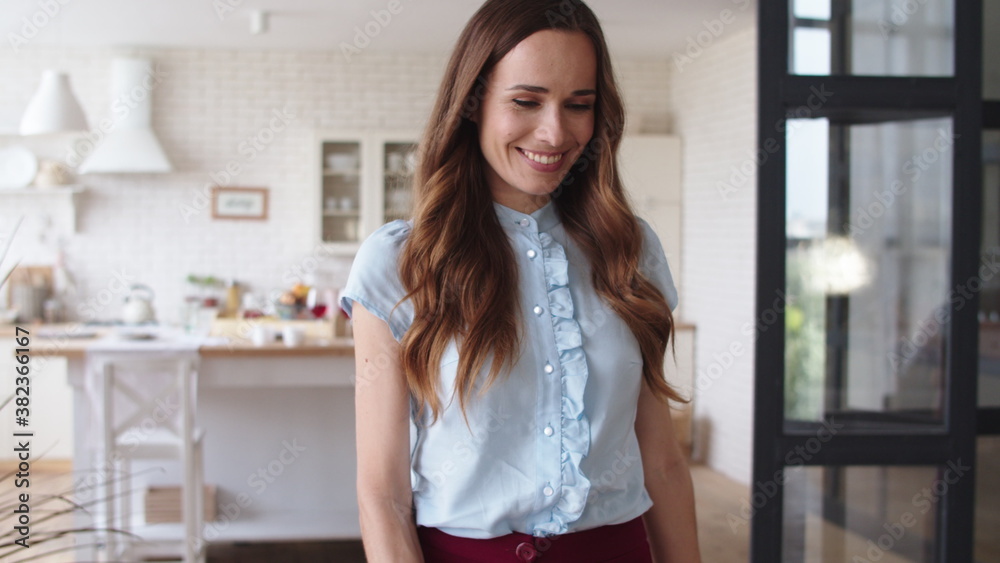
(551, 128)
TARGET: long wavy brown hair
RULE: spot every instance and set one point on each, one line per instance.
(457, 264)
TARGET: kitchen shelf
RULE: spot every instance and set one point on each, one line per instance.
(71, 193)
(274, 526)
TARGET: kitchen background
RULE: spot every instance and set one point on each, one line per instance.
(214, 109)
(211, 100)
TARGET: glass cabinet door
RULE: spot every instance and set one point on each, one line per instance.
(399, 160)
(341, 191)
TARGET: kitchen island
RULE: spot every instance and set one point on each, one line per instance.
(279, 423)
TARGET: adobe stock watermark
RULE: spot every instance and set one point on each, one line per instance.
(163, 412)
(258, 481)
(366, 33)
(741, 174)
(928, 328)
(119, 284)
(713, 29)
(796, 457)
(32, 25)
(225, 7)
(248, 149)
(865, 216)
(605, 482)
(922, 502)
(902, 11)
(467, 449)
(121, 107)
(722, 361)
(565, 10)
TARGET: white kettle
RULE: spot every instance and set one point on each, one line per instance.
(138, 305)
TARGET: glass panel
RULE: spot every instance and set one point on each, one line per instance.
(812, 51)
(814, 9)
(862, 513)
(400, 163)
(991, 50)
(874, 37)
(867, 297)
(989, 297)
(341, 197)
(987, 541)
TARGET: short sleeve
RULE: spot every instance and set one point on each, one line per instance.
(654, 264)
(374, 279)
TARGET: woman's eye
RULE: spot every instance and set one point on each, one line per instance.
(525, 103)
(580, 107)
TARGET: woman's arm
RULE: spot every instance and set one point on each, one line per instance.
(381, 399)
(670, 523)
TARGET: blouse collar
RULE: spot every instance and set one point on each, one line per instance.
(541, 220)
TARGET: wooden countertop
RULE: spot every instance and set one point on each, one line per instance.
(71, 340)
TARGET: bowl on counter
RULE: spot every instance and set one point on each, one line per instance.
(289, 312)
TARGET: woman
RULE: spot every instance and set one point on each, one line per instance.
(510, 337)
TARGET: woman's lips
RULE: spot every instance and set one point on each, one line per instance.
(542, 161)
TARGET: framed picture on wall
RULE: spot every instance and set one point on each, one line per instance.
(239, 203)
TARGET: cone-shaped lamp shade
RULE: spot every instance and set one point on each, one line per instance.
(130, 145)
(54, 108)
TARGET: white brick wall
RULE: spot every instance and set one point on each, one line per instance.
(208, 103)
(714, 112)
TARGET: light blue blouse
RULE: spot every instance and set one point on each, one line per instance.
(552, 447)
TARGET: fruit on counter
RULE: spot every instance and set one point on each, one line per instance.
(297, 295)
(300, 291)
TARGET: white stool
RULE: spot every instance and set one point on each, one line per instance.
(149, 411)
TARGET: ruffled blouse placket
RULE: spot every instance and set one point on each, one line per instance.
(575, 443)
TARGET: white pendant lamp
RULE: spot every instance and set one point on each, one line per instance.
(54, 108)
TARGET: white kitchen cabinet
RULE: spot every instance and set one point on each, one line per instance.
(51, 403)
(364, 182)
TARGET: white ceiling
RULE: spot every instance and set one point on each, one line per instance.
(634, 28)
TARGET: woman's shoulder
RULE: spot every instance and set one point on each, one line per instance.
(379, 252)
(651, 245)
(388, 238)
(653, 262)
(393, 232)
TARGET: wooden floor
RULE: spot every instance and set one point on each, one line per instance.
(719, 499)
(722, 523)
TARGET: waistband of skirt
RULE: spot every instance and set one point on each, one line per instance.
(602, 542)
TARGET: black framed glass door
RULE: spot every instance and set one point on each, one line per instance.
(869, 216)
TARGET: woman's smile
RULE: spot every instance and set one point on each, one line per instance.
(542, 161)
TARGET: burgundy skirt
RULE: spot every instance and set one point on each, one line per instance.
(617, 543)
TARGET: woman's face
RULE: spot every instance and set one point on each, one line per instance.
(537, 116)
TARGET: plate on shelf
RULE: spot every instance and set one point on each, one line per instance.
(18, 167)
